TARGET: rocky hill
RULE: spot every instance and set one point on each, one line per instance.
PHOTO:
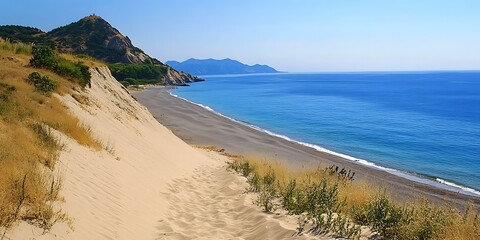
(95, 37)
(214, 66)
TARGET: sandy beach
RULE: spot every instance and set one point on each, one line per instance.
(198, 126)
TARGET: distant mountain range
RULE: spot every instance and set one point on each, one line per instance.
(214, 66)
(95, 37)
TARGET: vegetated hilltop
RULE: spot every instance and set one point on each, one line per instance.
(95, 37)
(214, 66)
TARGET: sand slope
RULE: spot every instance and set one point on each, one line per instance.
(212, 204)
(147, 183)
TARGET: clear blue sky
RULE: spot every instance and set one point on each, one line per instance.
(308, 35)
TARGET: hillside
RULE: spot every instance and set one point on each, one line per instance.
(95, 37)
(214, 66)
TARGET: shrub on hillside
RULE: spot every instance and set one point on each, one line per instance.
(74, 71)
(45, 57)
(137, 74)
(42, 84)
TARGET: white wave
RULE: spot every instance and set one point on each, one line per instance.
(447, 185)
(466, 189)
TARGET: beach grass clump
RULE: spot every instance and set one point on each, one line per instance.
(381, 215)
(331, 201)
(267, 190)
(50, 143)
(15, 48)
(314, 195)
(31, 124)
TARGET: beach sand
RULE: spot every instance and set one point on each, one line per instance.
(199, 126)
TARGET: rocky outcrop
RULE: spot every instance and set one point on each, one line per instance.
(173, 77)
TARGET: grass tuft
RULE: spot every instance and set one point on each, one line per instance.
(15, 48)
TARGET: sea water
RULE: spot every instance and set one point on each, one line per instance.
(421, 123)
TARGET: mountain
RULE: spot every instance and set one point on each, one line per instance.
(214, 66)
(95, 37)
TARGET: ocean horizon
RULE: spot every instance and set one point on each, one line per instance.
(422, 125)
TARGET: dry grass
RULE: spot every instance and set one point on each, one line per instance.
(88, 61)
(418, 219)
(15, 48)
(49, 110)
(29, 186)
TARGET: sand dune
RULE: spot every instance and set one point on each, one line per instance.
(147, 183)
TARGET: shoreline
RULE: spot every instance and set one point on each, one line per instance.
(416, 177)
(197, 124)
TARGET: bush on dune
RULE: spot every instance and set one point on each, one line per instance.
(42, 84)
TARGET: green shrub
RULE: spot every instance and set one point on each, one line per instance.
(44, 57)
(253, 181)
(42, 84)
(424, 221)
(265, 199)
(68, 69)
(268, 192)
(242, 167)
(74, 71)
(138, 74)
(383, 216)
(289, 196)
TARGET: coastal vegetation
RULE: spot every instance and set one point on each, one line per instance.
(330, 201)
(138, 74)
(45, 57)
(31, 123)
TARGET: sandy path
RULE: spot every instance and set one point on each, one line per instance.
(211, 204)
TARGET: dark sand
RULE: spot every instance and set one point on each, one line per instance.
(198, 126)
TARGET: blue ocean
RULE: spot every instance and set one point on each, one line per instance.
(420, 123)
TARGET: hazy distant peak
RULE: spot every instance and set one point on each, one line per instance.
(212, 66)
